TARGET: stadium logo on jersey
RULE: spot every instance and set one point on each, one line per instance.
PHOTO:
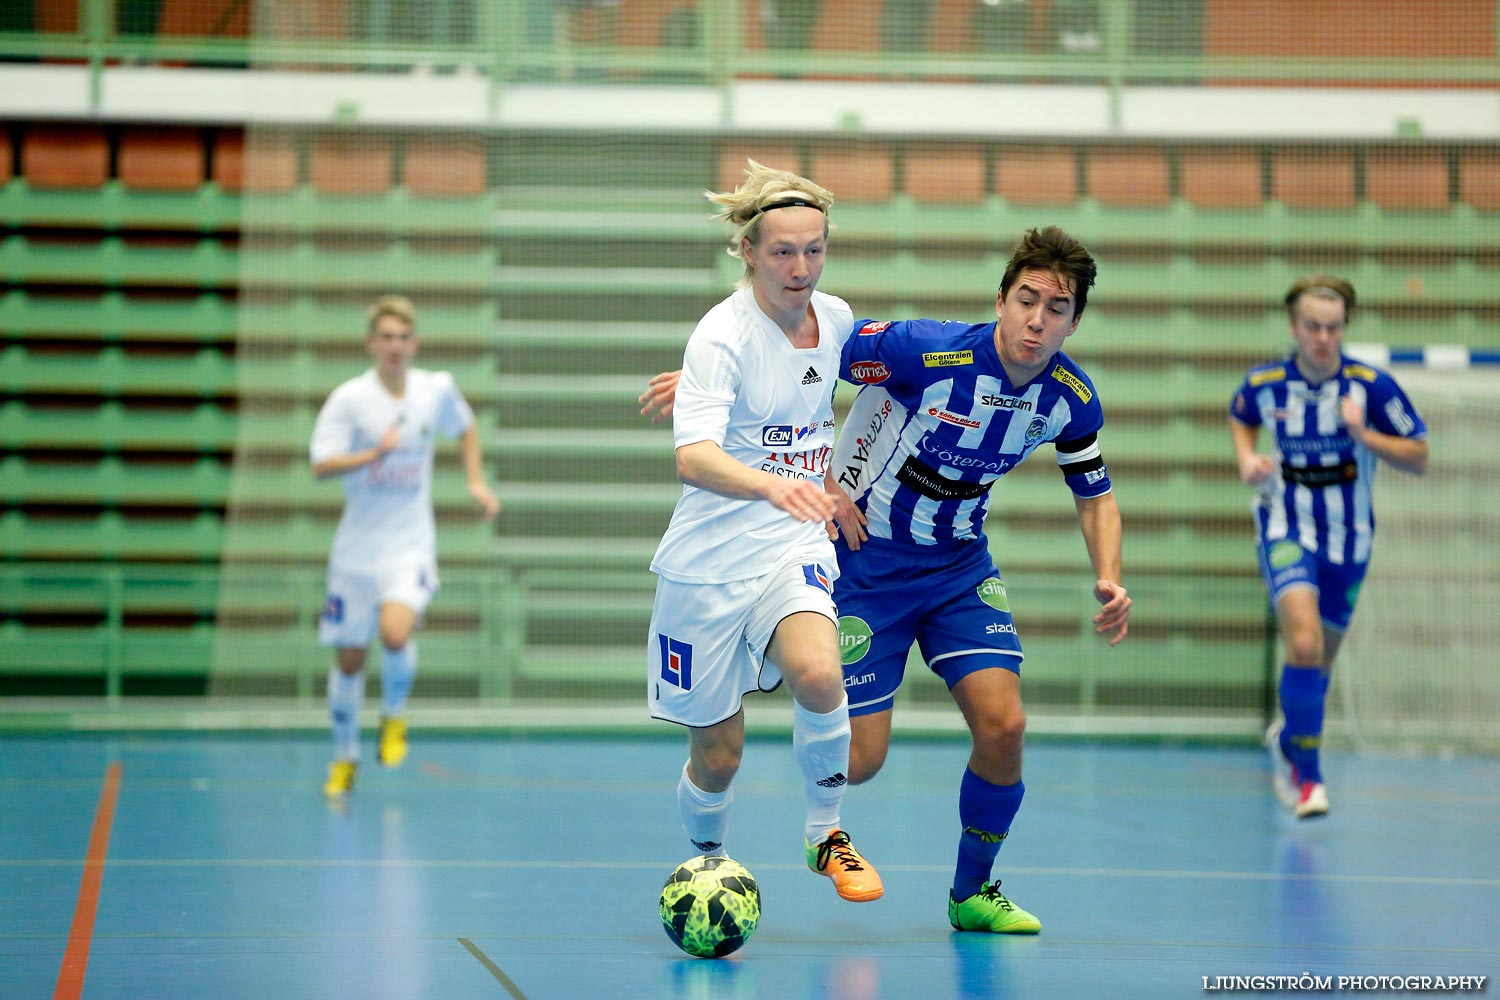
(333, 609)
(947, 359)
(869, 372)
(1270, 375)
(951, 418)
(1360, 372)
(992, 592)
(1006, 402)
(812, 377)
(1000, 628)
(854, 639)
(817, 576)
(873, 328)
(1035, 430)
(776, 435)
(1073, 382)
(676, 661)
(1285, 553)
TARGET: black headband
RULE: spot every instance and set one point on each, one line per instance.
(787, 203)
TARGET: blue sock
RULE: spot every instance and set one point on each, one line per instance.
(986, 812)
(346, 693)
(398, 668)
(1303, 690)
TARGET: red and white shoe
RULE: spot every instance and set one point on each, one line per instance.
(1306, 799)
(1312, 800)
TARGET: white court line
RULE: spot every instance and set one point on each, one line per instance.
(572, 863)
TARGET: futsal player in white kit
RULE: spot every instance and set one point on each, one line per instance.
(378, 432)
(746, 568)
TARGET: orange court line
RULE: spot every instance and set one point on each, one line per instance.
(76, 959)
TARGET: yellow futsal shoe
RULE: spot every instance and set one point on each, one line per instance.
(852, 875)
(340, 778)
(390, 747)
(988, 910)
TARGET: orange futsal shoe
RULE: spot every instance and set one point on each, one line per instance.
(852, 875)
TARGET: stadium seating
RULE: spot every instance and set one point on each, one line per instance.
(1037, 175)
(1405, 179)
(62, 156)
(1221, 177)
(161, 159)
(179, 300)
(1314, 178)
(1479, 179)
(949, 173)
(1128, 176)
(348, 163)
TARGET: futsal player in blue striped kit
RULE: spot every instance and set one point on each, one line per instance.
(944, 410)
(1330, 418)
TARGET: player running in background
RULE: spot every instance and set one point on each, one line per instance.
(1330, 418)
(944, 411)
(745, 569)
(378, 431)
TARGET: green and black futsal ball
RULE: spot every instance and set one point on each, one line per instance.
(710, 906)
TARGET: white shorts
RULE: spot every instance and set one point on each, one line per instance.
(351, 611)
(707, 646)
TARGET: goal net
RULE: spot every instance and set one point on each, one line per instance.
(1417, 671)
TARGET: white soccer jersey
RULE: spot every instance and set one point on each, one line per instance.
(387, 517)
(769, 405)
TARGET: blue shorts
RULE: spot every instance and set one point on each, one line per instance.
(1286, 565)
(946, 598)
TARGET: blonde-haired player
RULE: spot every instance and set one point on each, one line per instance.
(378, 432)
(746, 569)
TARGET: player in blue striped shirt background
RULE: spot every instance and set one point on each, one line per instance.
(1330, 419)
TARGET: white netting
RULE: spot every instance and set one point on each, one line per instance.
(1418, 669)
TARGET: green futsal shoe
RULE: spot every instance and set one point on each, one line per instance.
(988, 910)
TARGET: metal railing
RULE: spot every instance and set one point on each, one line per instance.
(513, 41)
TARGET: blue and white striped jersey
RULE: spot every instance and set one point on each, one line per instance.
(1321, 498)
(936, 422)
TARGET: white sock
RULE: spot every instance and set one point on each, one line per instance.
(398, 668)
(346, 695)
(820, 743)
(705, 815)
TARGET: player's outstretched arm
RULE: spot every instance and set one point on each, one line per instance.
(1254, 468)
(705, 465)
(484, 498)
(1406, 454)
(661, 393)
(1099, 519)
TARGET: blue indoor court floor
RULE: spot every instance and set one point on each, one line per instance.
(529, 867)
